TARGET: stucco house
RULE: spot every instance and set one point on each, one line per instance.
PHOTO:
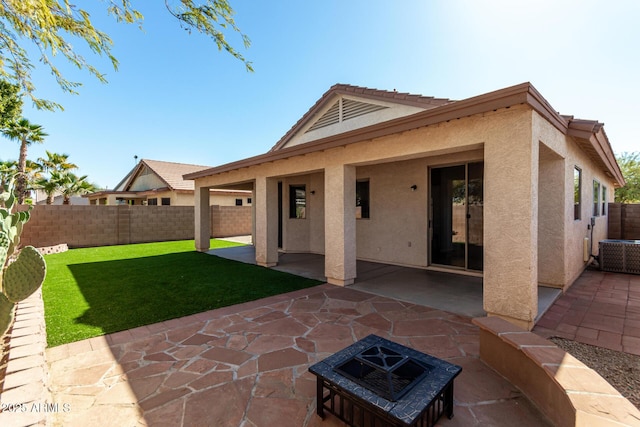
(499, 185)
(154, 182)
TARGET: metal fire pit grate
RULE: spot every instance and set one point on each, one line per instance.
(384, 371)
(376, 382)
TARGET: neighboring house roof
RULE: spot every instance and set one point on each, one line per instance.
(588, 134)
(169, 174)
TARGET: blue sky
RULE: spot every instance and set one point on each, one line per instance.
(176, 98)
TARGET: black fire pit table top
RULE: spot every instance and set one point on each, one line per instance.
(407, 405)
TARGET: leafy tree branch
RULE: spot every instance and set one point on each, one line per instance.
(630, 166)
(51, 25)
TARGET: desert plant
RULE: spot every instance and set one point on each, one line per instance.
(21, 276)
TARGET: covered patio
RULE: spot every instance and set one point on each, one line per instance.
(455, 293)
(489, 185)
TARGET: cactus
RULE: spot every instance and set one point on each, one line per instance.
(21, 277)
(6, 313)
(25, 275)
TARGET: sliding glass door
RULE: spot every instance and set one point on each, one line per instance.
(456, 194)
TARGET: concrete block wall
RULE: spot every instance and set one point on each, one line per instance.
(230, 221)
(78, 226)
(624, 221)
(170, 222)
(96, 225)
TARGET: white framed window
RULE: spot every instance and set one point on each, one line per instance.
(297, 201)
(596, 198)
(577, 193)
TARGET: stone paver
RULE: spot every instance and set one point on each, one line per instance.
(601, 309)
(247, 365)
(24, 384)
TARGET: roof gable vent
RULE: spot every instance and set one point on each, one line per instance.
(344, 109)
(351, 108)
(331, 117)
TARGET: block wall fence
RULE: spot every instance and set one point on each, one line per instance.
(624, 221)
(94, 225)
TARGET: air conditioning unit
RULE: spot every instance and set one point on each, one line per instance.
(620, 256)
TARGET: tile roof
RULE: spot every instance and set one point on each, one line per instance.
(172, 173)
(169, 172)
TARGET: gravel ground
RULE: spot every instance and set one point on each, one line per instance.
(621, 370)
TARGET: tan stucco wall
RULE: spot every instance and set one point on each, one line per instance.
(228, 200)
(396, 231)
(316, 224)
(186, 199)
(180, 199)
(511, 217)
(445, 138)
(296, 231)
(551, 216)
(574, 231)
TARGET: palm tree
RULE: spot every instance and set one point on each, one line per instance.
(50, 185)
(73, 185)
(26, 133)
(32, 173)
(56, 165)
(8, 170)
(56, 162)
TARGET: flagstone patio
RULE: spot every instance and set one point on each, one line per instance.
(246, 365)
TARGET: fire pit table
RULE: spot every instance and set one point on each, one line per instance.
(376, 382)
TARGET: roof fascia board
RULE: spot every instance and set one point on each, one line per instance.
(315, 108)
(126, 181)
(537, 101)
(153, 191)
(523, 93)
(135, 172)
(111, 193)
(600, 143)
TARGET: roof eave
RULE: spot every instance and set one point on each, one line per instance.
(523, 93)
(519, 94)
(592, 134)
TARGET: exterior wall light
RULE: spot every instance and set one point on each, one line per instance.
(414, 187)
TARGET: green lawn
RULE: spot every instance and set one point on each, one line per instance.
(94, 291)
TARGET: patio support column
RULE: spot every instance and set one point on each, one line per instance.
(511, 226)
(266, 221)
(340, 224)
(202, 218)
(253, 214)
